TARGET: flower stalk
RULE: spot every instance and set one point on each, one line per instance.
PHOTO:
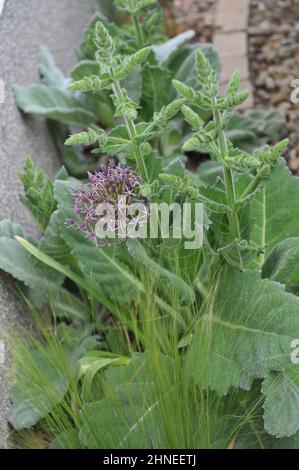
(228, 177)
(132, 133)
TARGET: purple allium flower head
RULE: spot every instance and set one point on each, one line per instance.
(107, 185)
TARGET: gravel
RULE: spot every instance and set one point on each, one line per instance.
(191, 14)
(274, 62)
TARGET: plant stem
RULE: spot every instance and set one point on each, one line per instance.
(139, 32)
(231, 200)
(228, 177)
(137, 25)
(252, 185)
(132, 133)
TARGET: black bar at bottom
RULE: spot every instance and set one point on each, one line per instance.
(197, 459)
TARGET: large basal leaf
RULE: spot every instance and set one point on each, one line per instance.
(10, 229)
(246, 333)
(275, 210)
(15, 260)
(54, 103)
(50, 73)
(255, 128)
(166, 49)
(282, 402)
(36, 390)
(41, 283)
(265, 122)
(282, 264)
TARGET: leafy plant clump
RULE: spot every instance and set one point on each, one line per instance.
(145, 343)
(149, 85)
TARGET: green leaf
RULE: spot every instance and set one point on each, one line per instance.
(38, 194)
(247, 333)
(153, 164)
(282, 264)
(266, 122)
(9, 229)
(287, 443)
(275, 210)
(36, 389)
(54, 103)
(133, 84)
(125, 415)
(214, 197)
(67, 305)
(51, 74)
(100, 103)
(52, 243)
(73, 158)
(53, 264)
(209, 172)
(85, 68)
(180, 260)
(176, 285)
(97, 360)
(282, 402)
(255, 128)
(118, 142)
(15, 260)
(104, 268)
(156, 86)
(22, 266)
(239, 254)
(42, 284)
(92, 363)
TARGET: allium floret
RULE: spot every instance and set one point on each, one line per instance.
(107, 186)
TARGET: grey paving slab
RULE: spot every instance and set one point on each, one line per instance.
(24, 26)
